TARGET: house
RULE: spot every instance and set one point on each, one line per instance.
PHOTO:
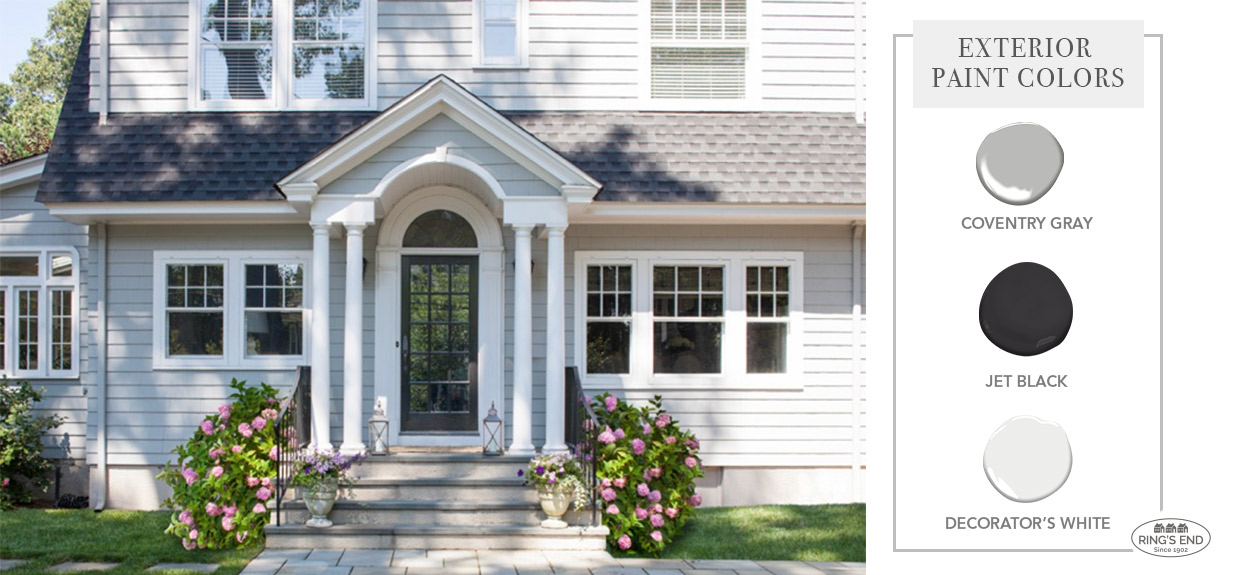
(447, 204)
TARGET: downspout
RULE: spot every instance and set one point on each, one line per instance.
(100, 441)
(104, 62)
(859, 61)
(856, 233)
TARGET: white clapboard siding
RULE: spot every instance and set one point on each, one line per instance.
(26, 223)
(582, 54)
(811, 426)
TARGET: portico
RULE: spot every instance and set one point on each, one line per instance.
(439, 217)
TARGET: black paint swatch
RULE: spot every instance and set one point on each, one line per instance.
(1026, 310)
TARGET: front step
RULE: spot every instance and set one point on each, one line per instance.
(458, 513)
(436, 537)
(443, 489)
(439, 465)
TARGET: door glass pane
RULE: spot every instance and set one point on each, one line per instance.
(440, 352)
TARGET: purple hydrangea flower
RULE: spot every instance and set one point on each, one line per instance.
(662, 420)
(245, 430)
(190, 475)
(638, 446)
(612, 509)
(657, 536)
(207, 427)
(658, 520)
(624, 542)
(654, 496)
(608, 494)
(606, 437)
(642, 490)
(611, 403)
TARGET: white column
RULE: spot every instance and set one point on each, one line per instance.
(521, 441)
(353, 335)
(555, 345)
(321, 336)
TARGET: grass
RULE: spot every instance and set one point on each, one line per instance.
(774, 533)
(135, 539)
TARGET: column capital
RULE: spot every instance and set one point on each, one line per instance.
(556, 231)
(355, 228)
(320, 227)
(523, 230)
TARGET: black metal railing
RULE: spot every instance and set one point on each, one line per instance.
(291, 433)
(581, 437)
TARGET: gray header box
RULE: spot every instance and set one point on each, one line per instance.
(1028, 64)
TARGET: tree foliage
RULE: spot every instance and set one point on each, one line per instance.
(30, 101)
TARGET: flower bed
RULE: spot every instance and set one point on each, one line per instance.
(223, 477)
(647, 466)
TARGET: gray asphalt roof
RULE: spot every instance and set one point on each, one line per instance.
(759, 157)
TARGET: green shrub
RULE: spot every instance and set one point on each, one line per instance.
(224, 476)
(21, 444)
(647, 466)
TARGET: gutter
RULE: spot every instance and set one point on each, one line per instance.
(104, 60)
(856, 233)
(100, 275)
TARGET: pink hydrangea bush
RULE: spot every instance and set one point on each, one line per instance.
(646, 466)
(223, 478)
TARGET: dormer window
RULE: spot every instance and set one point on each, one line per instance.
(283, 54)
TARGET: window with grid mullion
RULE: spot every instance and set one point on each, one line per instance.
(195, 309)
(767, 319)
(688, 308)
(274, 309)
(27, 329)
(609, 304)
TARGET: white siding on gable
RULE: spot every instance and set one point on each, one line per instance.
(26, 223)
(582, 55)
(441, 131)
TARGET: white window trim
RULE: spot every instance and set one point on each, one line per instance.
(45, 283)
(733, 374)
(753, 43)
(281, 83)
(521, 60)
(233, 309)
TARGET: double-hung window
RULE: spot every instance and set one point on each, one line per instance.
(689, 318)
(230, 309)
(38, 312)
(699, 49)
(500, 33)
(283, 54)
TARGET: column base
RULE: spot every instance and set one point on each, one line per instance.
(521, 450)
(352, 448)
(554, 448)
(321, 446)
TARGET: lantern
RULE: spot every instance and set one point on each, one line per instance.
(495, 438)
(379, 429)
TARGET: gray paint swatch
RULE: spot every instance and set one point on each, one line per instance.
(1019, 163)
(1027, 459)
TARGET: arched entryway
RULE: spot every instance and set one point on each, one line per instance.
(439, 289)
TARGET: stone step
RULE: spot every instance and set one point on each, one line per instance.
(436, 465)
(447, 513)
(436, 537)
(444, 489)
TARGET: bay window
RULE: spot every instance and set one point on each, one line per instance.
(38, 313)
(688, 319)
(283, 54)
(230, 309)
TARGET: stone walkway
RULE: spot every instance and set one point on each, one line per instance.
(411, 562)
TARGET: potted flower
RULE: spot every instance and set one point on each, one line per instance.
(556, 477)
(320, 474)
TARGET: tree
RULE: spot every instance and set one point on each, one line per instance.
(30, 101)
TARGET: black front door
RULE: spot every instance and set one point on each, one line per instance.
(439, 343)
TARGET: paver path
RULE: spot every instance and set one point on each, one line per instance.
(415, 562)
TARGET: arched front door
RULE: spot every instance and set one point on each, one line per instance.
(438, 386)
(437, 319)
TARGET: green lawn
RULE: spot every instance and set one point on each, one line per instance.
(774, 532)
(133, 538)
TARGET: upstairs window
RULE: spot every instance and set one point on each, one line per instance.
(500, 33)
(283, 54)
(699, 49)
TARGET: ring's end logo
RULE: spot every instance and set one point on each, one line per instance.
(1170, 537)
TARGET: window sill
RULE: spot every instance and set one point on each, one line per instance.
(502, 67)
(42, 376)
(785, 382)
(199, 365)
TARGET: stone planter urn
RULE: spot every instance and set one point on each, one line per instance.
(555, 501)
(319, 499)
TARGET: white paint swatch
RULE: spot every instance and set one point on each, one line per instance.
(1019, 163)
(1027, 459)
